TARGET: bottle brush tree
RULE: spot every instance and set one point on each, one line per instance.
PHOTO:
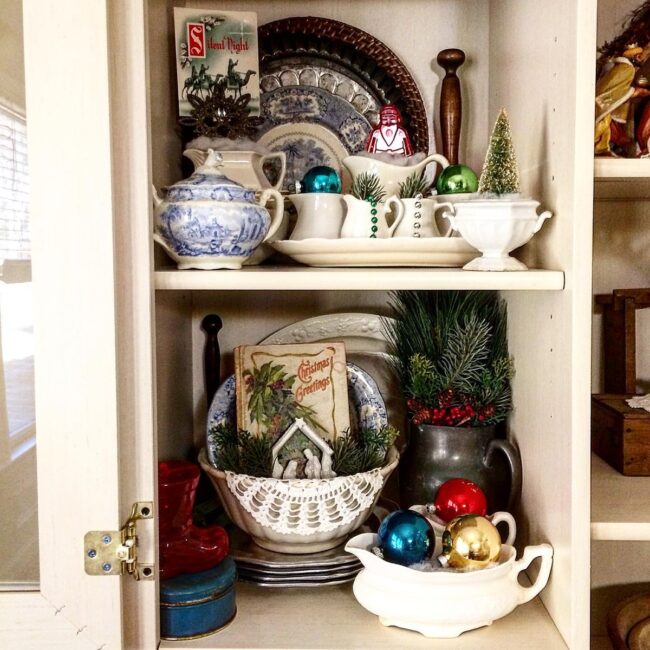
(500, 174)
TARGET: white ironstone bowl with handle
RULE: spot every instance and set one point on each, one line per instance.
(444, 603)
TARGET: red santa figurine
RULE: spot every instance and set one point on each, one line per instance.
(389, 136)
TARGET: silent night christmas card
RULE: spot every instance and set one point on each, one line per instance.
(276, 384)
(216, 49)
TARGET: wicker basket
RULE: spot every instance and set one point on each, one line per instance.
(299, 515)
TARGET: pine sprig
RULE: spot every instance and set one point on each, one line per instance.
(415, 184)
(242, 453)
(450, 353)
(367, 187)
(466, 352)
(362, 452)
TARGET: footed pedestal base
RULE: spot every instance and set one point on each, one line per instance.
(433, 631)
(495, 263)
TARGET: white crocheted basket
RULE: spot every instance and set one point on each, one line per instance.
(299, 515)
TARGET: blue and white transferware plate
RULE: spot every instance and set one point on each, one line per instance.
(368, 409)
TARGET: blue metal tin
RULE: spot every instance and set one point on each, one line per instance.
(198, 604)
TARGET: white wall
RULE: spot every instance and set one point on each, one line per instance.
(12, 72)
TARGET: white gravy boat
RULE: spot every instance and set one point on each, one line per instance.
(444, 604)
(390, 176)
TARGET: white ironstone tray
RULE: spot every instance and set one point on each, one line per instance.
(397, 251)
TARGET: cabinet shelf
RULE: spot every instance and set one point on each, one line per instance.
(295, 278)
(331, 617)
(621, 168)
(620, 505)
(622, 179)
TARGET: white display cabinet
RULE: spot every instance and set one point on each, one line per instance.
(120, 325)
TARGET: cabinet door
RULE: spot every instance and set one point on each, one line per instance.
(93, 371)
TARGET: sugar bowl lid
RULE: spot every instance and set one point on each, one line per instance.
(207, 183)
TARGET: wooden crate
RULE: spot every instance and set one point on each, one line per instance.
(620, 434)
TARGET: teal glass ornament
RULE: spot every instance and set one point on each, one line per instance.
(321, 179)
(457, 179)
(406, 537)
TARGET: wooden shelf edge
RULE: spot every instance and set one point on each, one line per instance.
(620, 531)
(296, 278)
(621, 168)
(620, 505)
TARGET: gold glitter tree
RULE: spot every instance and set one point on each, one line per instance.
(500, 174)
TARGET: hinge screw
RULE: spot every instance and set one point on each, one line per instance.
(92, 553)
(106, 567)
(106, 539)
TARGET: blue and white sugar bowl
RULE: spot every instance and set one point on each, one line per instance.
(209, 222)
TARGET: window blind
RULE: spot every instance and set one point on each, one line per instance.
(15, 241)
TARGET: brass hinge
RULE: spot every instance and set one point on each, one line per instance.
(114, 552)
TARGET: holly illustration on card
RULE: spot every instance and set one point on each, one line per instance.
(278, 384)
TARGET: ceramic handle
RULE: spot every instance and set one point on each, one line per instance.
(400, 213)
(498, 517)
(451, 217)
(163, 243)
(282, 157)
(449, 206)
(540, 220)
(278, 212)
(435, 157)
(196, 156)
(545, 551)
(514, 462)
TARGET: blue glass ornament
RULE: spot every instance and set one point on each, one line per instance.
(321, 179)
(406, 537)
(457, 179)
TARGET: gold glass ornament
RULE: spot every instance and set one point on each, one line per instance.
(470, 542)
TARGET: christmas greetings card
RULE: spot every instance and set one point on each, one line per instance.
(276, 384)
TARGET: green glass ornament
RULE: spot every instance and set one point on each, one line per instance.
(321, 179)
(457, 179)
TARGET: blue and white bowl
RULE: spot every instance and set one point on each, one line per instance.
(210, 222)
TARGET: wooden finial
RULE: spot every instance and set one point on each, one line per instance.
(211, 325)
(450, 103)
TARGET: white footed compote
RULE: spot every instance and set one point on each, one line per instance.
(496, 227)
(366, 219)
(320, 215)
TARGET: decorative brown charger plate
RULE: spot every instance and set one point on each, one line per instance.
(334, 77)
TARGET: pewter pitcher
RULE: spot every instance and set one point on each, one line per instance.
(436, 454)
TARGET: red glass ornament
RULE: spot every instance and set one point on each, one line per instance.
(184, 547)
(458, 496)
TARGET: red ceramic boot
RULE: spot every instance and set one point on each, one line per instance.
(184, 547)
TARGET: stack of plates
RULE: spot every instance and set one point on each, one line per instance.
(271, 569)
